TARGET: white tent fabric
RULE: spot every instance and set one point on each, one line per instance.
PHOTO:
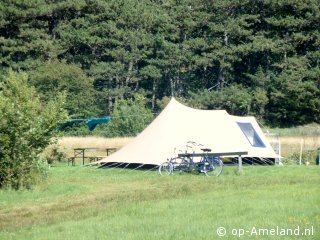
(175, 126)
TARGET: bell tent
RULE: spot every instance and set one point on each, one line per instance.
(177, 124)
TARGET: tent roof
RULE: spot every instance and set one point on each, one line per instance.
(174, 127)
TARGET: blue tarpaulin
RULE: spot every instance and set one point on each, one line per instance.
(91, 122)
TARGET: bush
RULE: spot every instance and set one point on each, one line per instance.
(52, 154)
(26, 129)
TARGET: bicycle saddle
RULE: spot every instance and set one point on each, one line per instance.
(206, 149)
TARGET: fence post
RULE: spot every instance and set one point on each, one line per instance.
(300, 156)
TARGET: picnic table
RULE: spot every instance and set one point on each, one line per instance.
(81, 153)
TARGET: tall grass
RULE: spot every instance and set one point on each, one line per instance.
(87, 203)
(297, 143)
(294, 148)
(92, 142)
(311, 130)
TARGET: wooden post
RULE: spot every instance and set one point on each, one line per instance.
(83, 156)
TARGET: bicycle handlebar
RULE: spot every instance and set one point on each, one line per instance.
(190, 144)
(194, 143)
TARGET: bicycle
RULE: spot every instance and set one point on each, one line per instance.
(209, 165)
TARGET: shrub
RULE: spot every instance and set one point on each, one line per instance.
(52, 154)
(26, 129)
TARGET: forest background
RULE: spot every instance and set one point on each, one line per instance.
(250, 57)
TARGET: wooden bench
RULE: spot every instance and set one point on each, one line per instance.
(72, 160)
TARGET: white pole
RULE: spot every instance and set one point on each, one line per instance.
(300, 157)
(279, 151)
(240, 163)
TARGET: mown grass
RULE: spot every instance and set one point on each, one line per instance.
(89, 203)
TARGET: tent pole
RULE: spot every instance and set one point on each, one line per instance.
(239, 163)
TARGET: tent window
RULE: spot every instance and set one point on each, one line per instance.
(251, 134)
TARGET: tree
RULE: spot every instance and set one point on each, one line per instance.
(294, 98)
(54, 77)
(170, 47)
(28, 31)
(26, 129)
(236, 99)
(130, 117)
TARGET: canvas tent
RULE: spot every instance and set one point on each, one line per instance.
(177, 124)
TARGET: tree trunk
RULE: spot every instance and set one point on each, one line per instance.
(172, 85)
(130, 67)
(222, 70)
(154, 88)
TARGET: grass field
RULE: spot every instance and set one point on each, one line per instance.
(88, 203)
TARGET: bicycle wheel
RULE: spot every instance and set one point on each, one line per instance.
(213, 167)
(165, 169)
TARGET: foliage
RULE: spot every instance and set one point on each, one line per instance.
(268, 49)
(130, 116)
(54, 77)
(78, 129)
(52, 154)
(26, 129)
